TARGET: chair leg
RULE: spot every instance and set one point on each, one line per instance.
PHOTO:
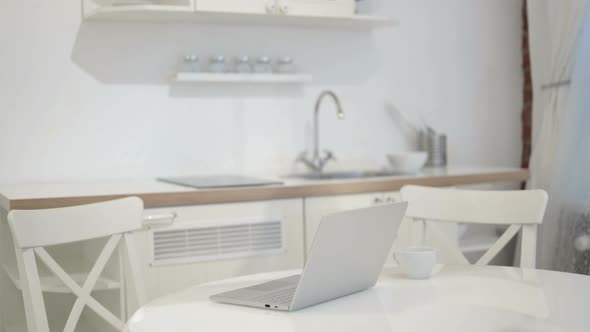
(418, 232)
(31, 290)
(123, 283)
(135, 269)
(2, 279)
(528, 254)
(2, 328)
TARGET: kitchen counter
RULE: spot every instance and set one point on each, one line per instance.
(159, 194)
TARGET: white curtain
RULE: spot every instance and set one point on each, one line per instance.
(560, 163)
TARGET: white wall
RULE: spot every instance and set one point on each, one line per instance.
(91, 100)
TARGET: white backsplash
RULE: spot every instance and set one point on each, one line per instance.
(92, 100)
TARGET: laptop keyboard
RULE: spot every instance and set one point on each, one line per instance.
(280, 296)
(275, 292)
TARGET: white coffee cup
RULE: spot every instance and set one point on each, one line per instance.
(416, 262)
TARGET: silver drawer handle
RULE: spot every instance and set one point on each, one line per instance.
(159, 219)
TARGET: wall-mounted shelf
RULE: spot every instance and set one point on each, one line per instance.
(183, 14)
(241, 78)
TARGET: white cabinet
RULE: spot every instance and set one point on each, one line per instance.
(340, 8)
(391, 197)
(332, 14)
(233, 6)
(200, 260)
(92, 6)
(318, 7)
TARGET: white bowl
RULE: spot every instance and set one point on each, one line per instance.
(407, 162)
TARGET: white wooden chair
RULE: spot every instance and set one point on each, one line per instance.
(35, 229)
(522, 210)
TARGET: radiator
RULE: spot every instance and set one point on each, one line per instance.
(573, 253)
(194, 242)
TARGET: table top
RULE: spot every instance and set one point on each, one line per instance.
(159, 194)
(456, 298)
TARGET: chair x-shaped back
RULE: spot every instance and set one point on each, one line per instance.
(33, 230)
(521, 210)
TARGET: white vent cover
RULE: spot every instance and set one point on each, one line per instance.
(195, 242)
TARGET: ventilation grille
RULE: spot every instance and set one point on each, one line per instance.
(195, 243)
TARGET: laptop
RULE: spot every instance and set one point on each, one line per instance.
(347, 256)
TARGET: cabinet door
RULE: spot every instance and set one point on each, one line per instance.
(404, 235)
(232, 6)
(163, 278)
(318, 7)
(392, 197)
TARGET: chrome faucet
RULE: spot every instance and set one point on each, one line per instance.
(317, 161)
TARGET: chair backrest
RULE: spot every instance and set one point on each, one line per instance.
(39, 228)
(522, 210)
(34, 229)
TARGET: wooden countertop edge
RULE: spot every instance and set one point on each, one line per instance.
(229, 195)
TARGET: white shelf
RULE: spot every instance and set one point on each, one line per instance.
(183, 14)
(241, 78)
(52, 284)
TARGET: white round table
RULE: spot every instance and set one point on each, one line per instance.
(456, 298)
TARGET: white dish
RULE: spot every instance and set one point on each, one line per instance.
(407, 162)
